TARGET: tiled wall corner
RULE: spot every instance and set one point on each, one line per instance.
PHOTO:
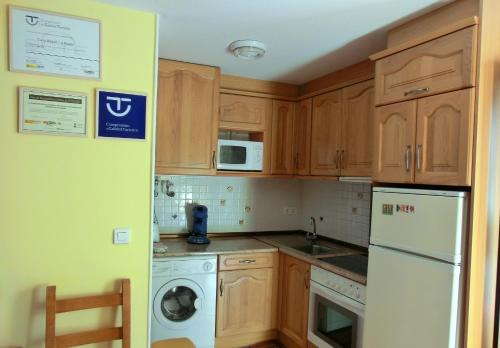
(345, 208)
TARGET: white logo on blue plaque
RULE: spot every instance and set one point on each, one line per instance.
(120, 115)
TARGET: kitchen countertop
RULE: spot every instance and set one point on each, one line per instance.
(283, 242)
(217, 246)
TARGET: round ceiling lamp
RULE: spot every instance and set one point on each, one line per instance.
(247, 49)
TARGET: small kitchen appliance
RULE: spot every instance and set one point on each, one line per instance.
(240, 155)
(198, 233)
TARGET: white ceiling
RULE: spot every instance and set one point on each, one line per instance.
(305, 39)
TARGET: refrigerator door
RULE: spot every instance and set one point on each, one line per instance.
(425, 222)
(412, 302)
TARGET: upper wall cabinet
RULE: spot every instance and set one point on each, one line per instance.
(186, 130)
(302, 130)
(326, 132)
(282, 158)
(445, 64)
(428, 141)
(244, 113)
(358, 111)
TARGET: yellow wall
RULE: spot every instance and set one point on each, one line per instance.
(61, 197)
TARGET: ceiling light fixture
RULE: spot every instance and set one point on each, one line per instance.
(247, 49)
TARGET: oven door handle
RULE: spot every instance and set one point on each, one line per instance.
(341, 300)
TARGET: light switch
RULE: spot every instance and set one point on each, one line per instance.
(121, 235)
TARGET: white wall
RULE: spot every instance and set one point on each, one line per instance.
(251, 205)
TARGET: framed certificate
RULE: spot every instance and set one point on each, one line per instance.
(46, 111)
(55, 44)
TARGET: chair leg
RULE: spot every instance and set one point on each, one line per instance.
(50, 317)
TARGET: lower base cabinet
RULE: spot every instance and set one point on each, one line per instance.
(294, 296)
(246, 301)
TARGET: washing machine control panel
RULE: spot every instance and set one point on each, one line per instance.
(184, 266)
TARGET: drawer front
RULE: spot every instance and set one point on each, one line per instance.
(247, 261)
(442, 65)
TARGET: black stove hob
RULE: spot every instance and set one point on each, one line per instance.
(353, 263)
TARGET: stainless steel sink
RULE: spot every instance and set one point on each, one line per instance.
(313, 249)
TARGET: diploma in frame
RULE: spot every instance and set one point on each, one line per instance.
(46, 111)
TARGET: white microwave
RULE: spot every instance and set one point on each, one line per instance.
(240, 155)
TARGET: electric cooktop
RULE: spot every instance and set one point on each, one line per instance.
(353, 263)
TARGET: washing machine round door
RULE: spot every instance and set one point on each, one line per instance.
(178, 303)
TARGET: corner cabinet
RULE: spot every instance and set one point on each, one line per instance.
(295, 277)
(247, 299)
(282, 158)
(187, 118)
(302, 134)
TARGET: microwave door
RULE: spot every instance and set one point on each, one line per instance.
(232, 157)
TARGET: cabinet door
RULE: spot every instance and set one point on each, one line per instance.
(326, 131)
(186, 130)
(444, 64)
(244, 113)
(394, 142)
(302, 129)
(444, 138)
(294, 300)
(282, 152)
(246, 302)
(357, 129)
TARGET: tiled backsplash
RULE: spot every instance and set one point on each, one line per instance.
(344, 207)
(234, 204)
(251, 204)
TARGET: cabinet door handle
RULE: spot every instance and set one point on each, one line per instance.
(306, 280)
(221, 288)
(214, 165)
(419, 151)
(407, 157)
(342, 159)
(247, 261)
(337, 160)
(416, 91)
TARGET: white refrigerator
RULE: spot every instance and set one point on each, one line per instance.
(414, 268)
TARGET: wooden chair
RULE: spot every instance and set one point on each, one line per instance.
(54, 306)
(174, 343)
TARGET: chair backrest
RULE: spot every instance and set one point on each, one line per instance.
(54, 306)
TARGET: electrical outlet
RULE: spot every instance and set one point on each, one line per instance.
(292, 210)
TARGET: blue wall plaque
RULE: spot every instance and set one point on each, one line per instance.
(120, 115)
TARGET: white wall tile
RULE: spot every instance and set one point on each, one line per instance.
(345, 207)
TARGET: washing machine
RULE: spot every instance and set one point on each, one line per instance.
(184, 299)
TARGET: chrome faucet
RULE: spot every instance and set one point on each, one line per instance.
(314, 235)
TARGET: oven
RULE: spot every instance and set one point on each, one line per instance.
(336, 310)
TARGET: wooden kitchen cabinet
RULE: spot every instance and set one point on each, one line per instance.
(358, 112)
(242, 112)
(444, 138)
(394, 142)
(282, 151)
(302, 135)
(295, 277)
(445, 64)
(428, 141)
(247, 295)
(187, 118)
(326, 139)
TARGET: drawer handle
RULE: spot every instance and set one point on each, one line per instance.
(417, 91)
(247, 261)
